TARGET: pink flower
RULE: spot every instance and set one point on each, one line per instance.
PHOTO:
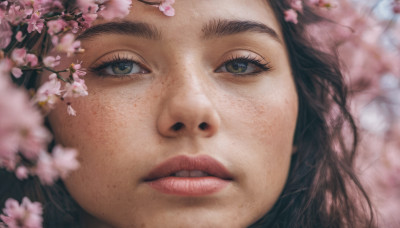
(18, 36)
(74, 26)
(76, 71)
(67, 44)
(87, 6)
(33, 139)
(16, 14)
(51, 61)
(21, 172)
(18, 56)
(297, 5)
(21, 58)
(56, 26)
(48, 94)
(5, 34)
(166, 7)
(87, 19)
(65, 160)
(45, 170)
(291, 16)
(26, 215)
(75, 89)
(31, 59)
(17, 72)
(21, 128)
(115, 9)
(58, 164)
(70, 110)
(35, 23)
(323, 3)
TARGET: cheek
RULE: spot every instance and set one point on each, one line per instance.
(102, 131)
(263, 126)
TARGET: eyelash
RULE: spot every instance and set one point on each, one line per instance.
(263, 67)
(99, 69)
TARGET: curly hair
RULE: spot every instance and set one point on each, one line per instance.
(322, 189)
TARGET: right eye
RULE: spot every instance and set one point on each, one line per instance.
(119, 67)
(123, 68)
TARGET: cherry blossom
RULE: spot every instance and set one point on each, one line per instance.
(75, 89)
(56, 26)
(166, 7)
(70, 110)
(5, 34)
(57, 164)
(68, 44)
(31, 59)
(35, 23)
(18, 56)
(26, 215)
(291, 16)
(17, 72)
(18, 36)
(48, 93)
(324, 3)
(115, 8)
(297, 5)
(51, 61)
(64, 160)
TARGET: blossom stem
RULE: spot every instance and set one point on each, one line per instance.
(58, 74)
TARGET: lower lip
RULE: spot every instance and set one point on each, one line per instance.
(189, 186)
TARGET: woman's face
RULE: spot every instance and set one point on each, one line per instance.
(189, 120)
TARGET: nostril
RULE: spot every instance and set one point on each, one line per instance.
(177, 126)
(203, 126)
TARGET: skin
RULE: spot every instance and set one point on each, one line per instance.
(123, 128)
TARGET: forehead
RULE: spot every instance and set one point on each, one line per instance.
(192, 16)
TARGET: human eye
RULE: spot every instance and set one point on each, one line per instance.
(119, 67)
(244, 65)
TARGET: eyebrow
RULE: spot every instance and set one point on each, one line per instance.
(214, 29)
(219, 28)
(139, 29)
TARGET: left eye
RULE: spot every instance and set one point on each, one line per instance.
(238, 67)
(243, 67)
(124, 68)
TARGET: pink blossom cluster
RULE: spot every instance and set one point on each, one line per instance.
(23, 137)
(166, 7)
(291, 15)
(26, 215)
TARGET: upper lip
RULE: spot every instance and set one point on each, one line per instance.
(203, 163)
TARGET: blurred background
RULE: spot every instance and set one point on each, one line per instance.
(367, 35)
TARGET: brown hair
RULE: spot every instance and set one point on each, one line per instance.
(322, 189)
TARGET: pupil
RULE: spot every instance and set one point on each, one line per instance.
(122, 68)
(238, 67)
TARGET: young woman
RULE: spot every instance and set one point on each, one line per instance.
(224, 115)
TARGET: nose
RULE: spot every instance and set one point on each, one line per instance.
(187, 110)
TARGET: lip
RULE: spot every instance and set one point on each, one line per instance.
(161, 179)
